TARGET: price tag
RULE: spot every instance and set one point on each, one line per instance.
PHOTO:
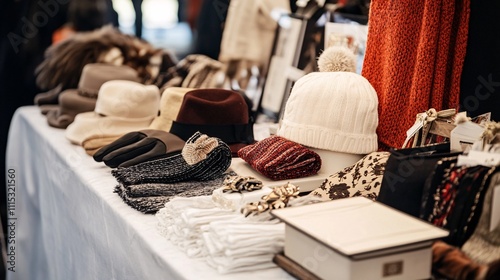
(414, 128)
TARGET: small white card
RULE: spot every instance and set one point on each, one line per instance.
(465, 134)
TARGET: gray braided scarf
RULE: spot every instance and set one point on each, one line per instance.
(149, 198)
(203, 158)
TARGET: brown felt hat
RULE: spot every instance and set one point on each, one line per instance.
(83, 99)
(217, 113)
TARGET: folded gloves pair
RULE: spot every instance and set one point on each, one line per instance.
(139, 146)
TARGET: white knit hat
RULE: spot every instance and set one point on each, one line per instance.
(334, 111)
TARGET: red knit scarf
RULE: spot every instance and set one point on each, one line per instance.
(414, 58)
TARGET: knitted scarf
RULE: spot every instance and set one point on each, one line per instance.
(203, 158)
(149, 198)
(414, 57)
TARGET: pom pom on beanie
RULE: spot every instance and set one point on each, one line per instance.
(337, 59)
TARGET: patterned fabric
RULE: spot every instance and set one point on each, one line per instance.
(361, 179)
(447, 194)
(457, 201)
(484, 245)
(279, 159)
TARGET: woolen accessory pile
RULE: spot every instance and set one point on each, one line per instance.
(335, 111)
(203, 158)
(414, 57)
(278, 158)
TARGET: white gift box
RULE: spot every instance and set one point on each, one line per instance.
(357, 238)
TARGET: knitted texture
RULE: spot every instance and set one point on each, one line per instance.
(335, 111)
(155, 189)
(278, 158)
(414, 58)
(176, 168)
(151, 204)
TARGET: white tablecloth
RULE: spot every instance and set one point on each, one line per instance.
(70, 225)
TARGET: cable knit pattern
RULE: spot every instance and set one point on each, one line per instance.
(176, 169)
(199, 149)
(278, 158)
(334, 111)
(414, 59)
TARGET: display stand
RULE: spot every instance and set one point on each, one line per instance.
(294, 54)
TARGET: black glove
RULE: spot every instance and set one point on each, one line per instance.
(139, 146)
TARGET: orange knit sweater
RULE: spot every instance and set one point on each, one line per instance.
(414, 58)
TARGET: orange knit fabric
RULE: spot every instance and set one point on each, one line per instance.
(414, 58)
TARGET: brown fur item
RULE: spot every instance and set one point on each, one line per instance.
(452, 263)
(64, 61)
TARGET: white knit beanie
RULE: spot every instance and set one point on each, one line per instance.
(334, 111)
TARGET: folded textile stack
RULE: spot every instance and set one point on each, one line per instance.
(243, 244)
(226, 239)
(181, 219)
(223, 237)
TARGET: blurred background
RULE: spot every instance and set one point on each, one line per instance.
(163, 24)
